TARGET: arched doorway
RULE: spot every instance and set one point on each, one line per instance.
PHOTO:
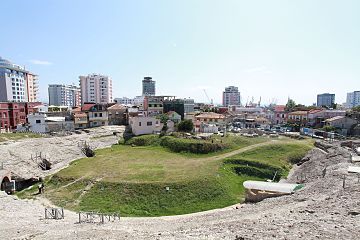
(4, 183)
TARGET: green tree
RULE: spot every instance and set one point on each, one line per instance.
(163, 118)
(185, 126)
(290, 105)
(356, 109)
(328, 128)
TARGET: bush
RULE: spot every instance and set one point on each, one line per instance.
(144, 140)
(190, 145)
(255, 169)
(254, 164)
(256, 172)
(185, 126)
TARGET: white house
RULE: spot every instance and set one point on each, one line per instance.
(41, 123)
(145, 125)
(148, 125)
(208, 128)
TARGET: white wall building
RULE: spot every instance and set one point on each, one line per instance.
(124, 101)
(353, 99)
(41, 123)
(96, 88)
(64, 95)
(16, 83)
(145, 125)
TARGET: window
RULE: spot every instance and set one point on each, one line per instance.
(100, 114)
(38, 121)
(149, 123)
(139, 124)
(95, 114)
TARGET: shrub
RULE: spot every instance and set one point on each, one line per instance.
(254, 164)
(256, 172)
(190, 145)
(255, 169)
(144, 140)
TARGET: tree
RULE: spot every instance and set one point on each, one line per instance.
(163, 118)
(328, 128)
(356, 109)
(185, 126)
(290, 105)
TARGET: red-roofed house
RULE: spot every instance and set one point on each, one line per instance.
(280, 114)
(97, 114)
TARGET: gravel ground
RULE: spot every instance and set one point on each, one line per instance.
(16, 155)
(322, 210)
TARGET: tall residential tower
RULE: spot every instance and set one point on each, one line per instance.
(231, 96)
(148, 87)
(64, 95)
(326, 99)
(16, 83)
(353, 99)
(96, 88)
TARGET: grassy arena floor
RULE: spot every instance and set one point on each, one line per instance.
(133, 180)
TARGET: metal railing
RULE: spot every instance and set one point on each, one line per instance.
(95, 217)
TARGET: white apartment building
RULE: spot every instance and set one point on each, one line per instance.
(231, 96)
(353, 99)
(64, 95)
(16, 83)
(124, 101)
(96, 88)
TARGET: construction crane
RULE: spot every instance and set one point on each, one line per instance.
(211, 101)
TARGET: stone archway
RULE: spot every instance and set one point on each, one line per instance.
(5, 180)
(3, 183)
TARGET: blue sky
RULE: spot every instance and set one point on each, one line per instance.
(273, 49)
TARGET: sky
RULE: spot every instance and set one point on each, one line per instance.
(270, 49)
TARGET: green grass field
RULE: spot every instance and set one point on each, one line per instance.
(17, 136)
(133, 180)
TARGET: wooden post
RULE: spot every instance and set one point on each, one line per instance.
(79, 217)
(344, 177)
(45, 213)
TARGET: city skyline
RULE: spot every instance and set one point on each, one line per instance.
(283, 49)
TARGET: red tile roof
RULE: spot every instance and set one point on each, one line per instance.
(280, 108)
(87, 106)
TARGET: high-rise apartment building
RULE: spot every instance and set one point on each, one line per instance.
(231, 96)
(148, 87)
(353, 99)
(64, 95)
(189, 105)
(96, 88)
(16, 83)
(326, 99)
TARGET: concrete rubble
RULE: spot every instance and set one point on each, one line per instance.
(321, 210)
